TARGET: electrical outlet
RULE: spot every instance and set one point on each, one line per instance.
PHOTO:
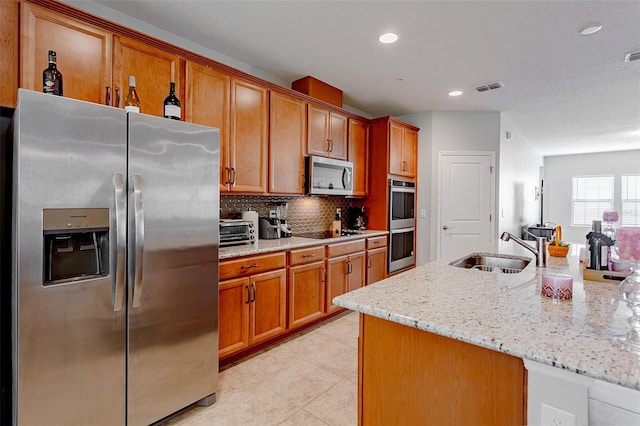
(272, 214)
(339, 212)
(553, 416)
(423, 212)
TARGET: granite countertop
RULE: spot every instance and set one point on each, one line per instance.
(269, 246)
(507, 313)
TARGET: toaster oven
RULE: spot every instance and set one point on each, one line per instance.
(236, 231)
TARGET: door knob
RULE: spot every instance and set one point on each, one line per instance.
(445, 227)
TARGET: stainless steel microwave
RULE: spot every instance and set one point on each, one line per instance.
(328, 176)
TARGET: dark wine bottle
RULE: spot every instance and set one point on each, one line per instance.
(172, 104)
(52, 77)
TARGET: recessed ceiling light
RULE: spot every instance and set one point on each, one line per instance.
(388, 38)
(591, 29)
(455, 93)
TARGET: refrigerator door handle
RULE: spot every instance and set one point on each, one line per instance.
(120, 230)
(138, 214)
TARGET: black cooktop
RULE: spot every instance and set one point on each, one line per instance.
(320, 235)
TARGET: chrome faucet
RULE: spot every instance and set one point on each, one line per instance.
(541, 246)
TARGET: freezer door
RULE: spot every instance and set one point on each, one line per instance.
(68, 321)
(173, 266)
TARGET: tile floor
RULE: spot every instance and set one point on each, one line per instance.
(307, 380)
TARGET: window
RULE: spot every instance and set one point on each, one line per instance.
(591, 196)
(630, 200)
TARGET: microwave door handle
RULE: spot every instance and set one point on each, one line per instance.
(119, 252)
(138, 217)
(346, 178)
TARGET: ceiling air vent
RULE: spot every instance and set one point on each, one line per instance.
(490, 86)
(631, 57)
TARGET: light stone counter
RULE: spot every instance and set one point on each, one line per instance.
(269, 246)
(506, 313)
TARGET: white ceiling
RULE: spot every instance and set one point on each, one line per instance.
(565, 92)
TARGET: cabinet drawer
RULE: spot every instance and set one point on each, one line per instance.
(251, 265)
(376, 242)
(306, 255)
(340, 249)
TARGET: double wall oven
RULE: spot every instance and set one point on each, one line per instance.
(402, 198)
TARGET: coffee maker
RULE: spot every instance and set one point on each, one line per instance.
(281, 215)
(356, 219)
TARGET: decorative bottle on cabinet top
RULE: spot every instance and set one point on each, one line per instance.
(132, 101)
(52, 77)
(172, 104)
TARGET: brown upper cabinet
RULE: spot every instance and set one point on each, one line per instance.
(208, 102)
(287, 133)
(327, 132)
(246, 157)
(153, 68)
(92, 59)
(402, 150)
(10, 18)
(359, 156)
(398, 142)
(239, 109)
(83, 53)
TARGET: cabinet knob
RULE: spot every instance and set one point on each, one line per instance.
(445, 227)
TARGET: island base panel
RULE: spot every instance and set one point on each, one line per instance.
(409, 376)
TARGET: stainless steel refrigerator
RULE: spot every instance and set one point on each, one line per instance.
(114, 264)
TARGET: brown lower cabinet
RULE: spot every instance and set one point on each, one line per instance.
(345, 270)
(376, 259)
(306, 286)
(251, 308)
(412, 377)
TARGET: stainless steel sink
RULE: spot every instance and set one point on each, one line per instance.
(491, 262)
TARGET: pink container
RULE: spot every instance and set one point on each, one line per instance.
(629, 243)
(557, 286)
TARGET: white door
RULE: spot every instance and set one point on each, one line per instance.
(466, 202)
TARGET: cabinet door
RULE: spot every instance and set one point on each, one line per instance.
(306, 293)
(318, 130)
(268, 305)
(396, 142)
(287, 132)
(376, 265)
(338, 136)
(9, 76)
(359, 156)
(83, 53)
(410, 152)
(153, 68)
(336, 280)
(356, 272)
(208, 102)
(248, 137)
(233, 313)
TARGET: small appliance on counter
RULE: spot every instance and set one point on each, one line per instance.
(269, 228)
(356, 219)
(252, 216)
(236, 231)
(281, 215)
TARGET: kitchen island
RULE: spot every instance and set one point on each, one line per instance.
(500, 321)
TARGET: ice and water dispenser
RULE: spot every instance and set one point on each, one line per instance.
(76, 244)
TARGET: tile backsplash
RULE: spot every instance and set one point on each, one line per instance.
(304, 214)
